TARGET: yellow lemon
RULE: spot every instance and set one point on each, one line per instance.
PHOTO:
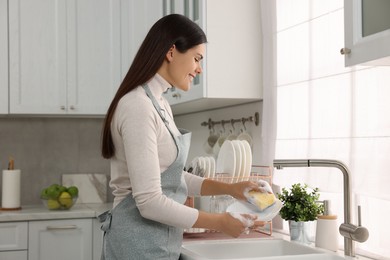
(65, 199)
(53, 204)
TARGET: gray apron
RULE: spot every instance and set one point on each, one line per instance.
(127, 235)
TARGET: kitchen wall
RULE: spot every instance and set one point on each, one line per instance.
(46, 148)
(201, 133)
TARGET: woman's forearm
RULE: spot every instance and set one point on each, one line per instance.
(211, 187)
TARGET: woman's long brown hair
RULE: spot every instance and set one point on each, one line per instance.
(170, 30)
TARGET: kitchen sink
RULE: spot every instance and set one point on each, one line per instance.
(262, 249)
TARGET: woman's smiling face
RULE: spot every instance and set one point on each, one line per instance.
(182, 68)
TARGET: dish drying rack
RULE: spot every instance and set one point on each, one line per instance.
(258, 172)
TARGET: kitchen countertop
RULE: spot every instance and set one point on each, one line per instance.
(39, 212)
(92, 210)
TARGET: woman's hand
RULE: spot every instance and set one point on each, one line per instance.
(238, 189)
(233, 226)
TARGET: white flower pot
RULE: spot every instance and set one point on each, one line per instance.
(299, 231)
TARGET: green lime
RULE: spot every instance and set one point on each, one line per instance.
(53, 192)
(62, 188)
(44, 194)
(53, 204)
(73, 191)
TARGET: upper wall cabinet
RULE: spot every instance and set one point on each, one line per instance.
(232, 67)
(3, 57)
(137, 18)
(367, 32)
(64, 56)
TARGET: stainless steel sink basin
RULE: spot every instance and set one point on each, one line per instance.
(263, 249)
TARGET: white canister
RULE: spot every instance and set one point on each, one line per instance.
(10, 198)
(327, 232)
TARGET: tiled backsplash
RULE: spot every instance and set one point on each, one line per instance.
(46, 148)
(92, 186)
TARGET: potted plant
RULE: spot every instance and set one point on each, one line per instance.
(300, 206)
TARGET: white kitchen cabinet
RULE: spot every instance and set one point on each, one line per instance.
(13, 240)
(65, 56)
(3, 57)
(60, 239)
(232, 67)
(367, 32)
(97, 239)
(137, 18)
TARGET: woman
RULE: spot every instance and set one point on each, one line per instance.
(148, 152)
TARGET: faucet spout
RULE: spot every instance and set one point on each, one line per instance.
(349, 249)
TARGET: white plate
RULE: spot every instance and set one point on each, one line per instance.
(237, 150)
(248, 157)
(212, 167)
(207, 167)
(243, 161)
(194, 230)
(246, 208)
(245, 136)
(226, 162)
(202, 165)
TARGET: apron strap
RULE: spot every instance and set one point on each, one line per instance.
(159, 109)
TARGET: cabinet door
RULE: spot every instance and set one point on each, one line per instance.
(97, 239)
(94, 54)
(222, 85)
(191, 9)
(174, 7)
(60, 240)
(137, 19)
(3, 57)
(13, 236)
(367, 32)
(37, 56)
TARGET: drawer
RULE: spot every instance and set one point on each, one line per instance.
(13, 236)
(13, 255)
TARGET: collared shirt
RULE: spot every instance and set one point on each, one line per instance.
(144, 149)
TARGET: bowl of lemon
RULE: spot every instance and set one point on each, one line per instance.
(58, 197)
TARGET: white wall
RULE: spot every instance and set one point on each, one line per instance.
(200, 133)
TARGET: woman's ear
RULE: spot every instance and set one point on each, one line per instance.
(170, 53)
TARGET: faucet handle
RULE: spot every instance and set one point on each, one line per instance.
(359, 216)
(356, 233)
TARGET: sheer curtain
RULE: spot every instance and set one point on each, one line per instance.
(327, 111)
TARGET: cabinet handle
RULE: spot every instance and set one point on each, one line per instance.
(344, 51)
(176, 95)
(72, 107)
(62, 107)
(65, 227)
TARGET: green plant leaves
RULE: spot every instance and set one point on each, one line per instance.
(299, 204)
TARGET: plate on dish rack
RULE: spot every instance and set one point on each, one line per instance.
(226, 162)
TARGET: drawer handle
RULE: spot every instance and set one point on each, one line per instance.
(65, 227)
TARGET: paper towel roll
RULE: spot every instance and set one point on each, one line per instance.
(11, 189)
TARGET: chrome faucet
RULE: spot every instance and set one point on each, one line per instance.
(349, 231)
